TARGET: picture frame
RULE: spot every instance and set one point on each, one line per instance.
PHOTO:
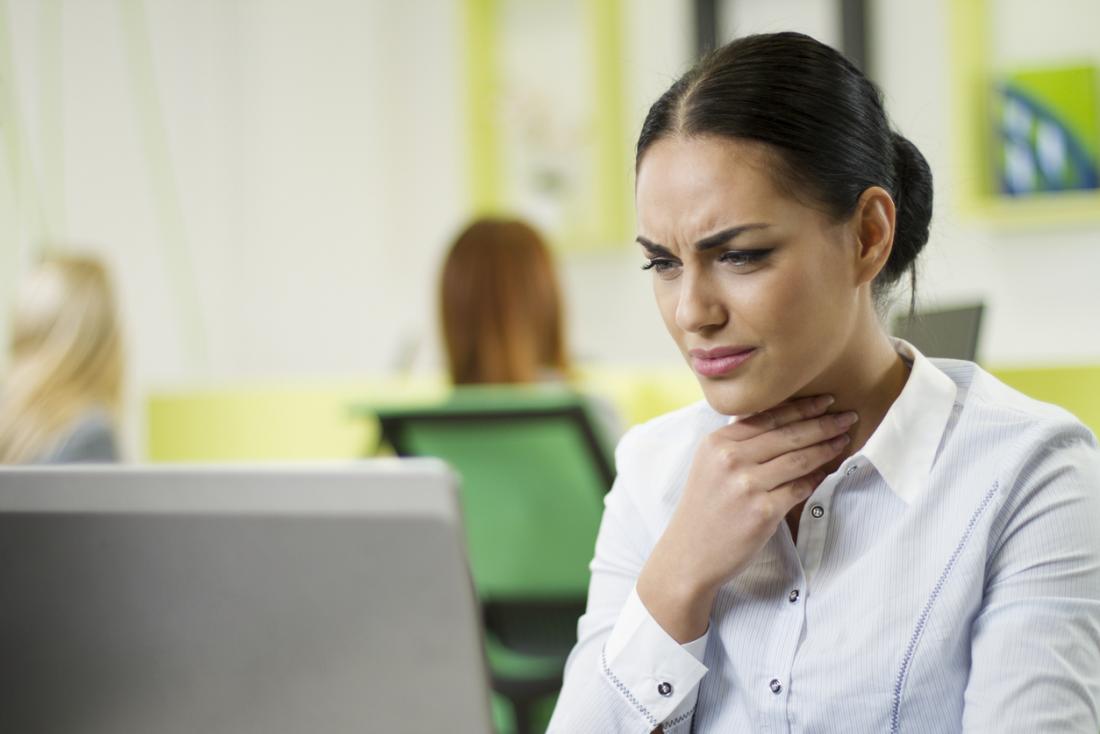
(547, 130)
(972, 80)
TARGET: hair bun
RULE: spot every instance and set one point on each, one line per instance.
(913, 199)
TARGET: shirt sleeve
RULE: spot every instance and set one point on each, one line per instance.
(1035, 644)
(626, 674)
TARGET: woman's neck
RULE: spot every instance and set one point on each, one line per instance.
(867, 379)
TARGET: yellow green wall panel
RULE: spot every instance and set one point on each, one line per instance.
(1077, 389)
(302, 422)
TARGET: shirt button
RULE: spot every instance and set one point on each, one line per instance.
(793, 596)
(665, 689)
(817, 511)
(775, 685)
(851, 470)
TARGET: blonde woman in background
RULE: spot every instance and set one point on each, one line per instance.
(60, 397)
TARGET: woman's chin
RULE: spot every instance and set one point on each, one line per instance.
(732, 399)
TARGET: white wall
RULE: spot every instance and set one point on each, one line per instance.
(274, 182)
(1040, 284)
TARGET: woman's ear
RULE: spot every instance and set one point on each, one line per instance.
(874, 221)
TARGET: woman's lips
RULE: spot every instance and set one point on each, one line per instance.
(718, 362)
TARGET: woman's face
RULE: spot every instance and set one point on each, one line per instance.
(758, 290)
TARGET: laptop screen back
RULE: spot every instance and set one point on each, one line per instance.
(165, 601)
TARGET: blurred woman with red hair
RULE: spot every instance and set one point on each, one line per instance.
(501, 307)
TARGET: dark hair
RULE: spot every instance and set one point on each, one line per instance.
(824, 121)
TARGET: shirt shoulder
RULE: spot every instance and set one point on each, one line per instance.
(653, 457)
(670, 433)
(992, 401)
(1012, 432)
(90, 439)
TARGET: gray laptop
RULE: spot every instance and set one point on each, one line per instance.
(237, 601)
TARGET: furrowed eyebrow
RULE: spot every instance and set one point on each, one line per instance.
(654, 248)
(707, 243)
(720, 238)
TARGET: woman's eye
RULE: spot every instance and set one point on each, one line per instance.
(659, 264)
(744, 258)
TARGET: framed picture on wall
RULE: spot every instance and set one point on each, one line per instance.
(1047, 130)
(545, 98)
(1026, 102)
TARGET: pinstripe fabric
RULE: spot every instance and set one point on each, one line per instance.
(951, 582)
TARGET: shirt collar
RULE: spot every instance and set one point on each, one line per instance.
(903, 447)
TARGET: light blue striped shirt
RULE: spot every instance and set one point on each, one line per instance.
(946, 578)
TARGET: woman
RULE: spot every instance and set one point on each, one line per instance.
(877, 541)
(61, 395)
(501, 310)
(501, 307)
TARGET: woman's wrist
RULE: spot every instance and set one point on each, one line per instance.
(681, 607)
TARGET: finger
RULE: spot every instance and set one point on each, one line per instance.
(798, 435)
(777, 417)
(792, 493)
(794, 464)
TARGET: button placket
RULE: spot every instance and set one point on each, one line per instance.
(812, 530)
(785, 635)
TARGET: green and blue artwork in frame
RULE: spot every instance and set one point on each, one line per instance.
(1048, 135)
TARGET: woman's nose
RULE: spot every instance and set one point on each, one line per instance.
(700, 306)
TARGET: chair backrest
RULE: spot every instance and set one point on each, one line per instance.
(534, 470)
(947, 332)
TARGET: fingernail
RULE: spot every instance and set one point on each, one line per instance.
(840, 441)
(825, 401)
(847, 419)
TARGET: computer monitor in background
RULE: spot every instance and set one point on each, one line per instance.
(948, 332)
(237, 601)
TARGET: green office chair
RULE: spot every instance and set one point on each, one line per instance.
(534, 468)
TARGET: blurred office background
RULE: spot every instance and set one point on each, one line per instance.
(274, 182)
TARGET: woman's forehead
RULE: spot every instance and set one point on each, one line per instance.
(690, 187)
